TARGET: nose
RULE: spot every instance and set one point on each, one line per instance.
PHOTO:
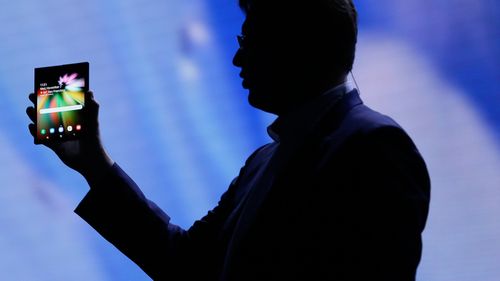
(238, 58)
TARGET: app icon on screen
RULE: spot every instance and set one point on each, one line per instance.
(52, 130)
(78, 127)
(70, 128)
(43, 131)
(61, 129)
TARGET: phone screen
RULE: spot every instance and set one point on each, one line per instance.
(60, 101)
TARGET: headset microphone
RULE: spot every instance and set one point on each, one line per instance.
(355, 83)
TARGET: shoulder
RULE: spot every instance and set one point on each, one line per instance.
(261, 154)
(364, 120)
(369, 139)
(370, 149)
(362, 125)
(380, 132)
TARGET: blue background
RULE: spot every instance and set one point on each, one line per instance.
(174, 116)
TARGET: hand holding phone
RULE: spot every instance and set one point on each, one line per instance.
(81, 152)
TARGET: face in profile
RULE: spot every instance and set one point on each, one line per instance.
(265, 69)
(277, 64)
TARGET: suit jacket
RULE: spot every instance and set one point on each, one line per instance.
(349, 202)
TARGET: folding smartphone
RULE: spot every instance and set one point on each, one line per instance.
(60, 102)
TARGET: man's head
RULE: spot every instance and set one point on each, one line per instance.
(291, 51)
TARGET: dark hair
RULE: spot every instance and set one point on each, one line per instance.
(329, 26)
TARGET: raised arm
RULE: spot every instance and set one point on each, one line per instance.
(120, 212)
(117, 209)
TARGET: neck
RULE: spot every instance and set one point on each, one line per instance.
(304, 94)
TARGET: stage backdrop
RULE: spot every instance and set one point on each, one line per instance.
(174, 116)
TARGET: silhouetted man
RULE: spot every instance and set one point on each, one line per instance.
(340, 194)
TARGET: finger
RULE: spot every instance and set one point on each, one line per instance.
(32, 97)
(92, 112)
(30, 110)
(91, 102)
(32, 129)
(90, 95)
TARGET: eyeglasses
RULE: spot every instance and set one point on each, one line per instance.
(241, 41)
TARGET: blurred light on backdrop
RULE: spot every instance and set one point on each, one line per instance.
(174, 116)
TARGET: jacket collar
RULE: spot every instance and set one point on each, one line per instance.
(299, 123)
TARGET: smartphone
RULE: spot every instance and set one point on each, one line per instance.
(60, 102)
